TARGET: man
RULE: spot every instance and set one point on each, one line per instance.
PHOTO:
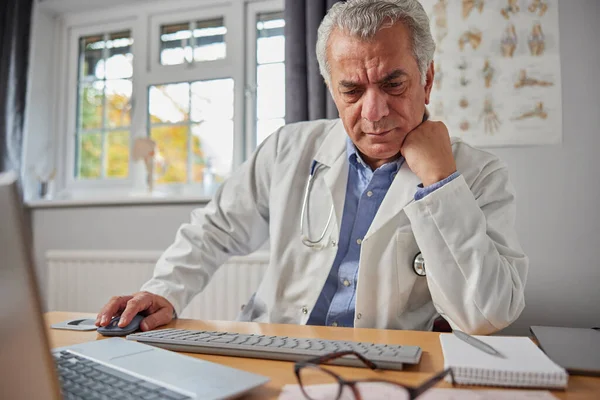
(386, 185)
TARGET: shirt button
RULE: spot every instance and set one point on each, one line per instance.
(369, 193)
(333, 243)
(346, 282)
(359, 241)
(358, 316)
(334, 323)
(304, 310)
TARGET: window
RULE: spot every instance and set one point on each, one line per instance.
(270, 74)
(189, 90)
(194, 41)
(192, 125)
(104, 86)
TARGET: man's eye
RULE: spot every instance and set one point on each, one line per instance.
(394, 85)
(351, 92)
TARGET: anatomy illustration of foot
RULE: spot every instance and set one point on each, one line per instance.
(538, 112)
(525, 80)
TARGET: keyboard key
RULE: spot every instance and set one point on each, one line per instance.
(152, 396)
(252, 340)
(168, 394)
(241, 339)
(130, 387)
(265, 341)
(278, 342)
(120, 384)
(116, 373)
(139, 392)
(290, 344)
(148, 386)
(223, 339)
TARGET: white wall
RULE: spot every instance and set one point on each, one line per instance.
(147, 227)
(557, 186)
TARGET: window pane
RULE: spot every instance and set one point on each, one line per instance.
(264, 127)
(120, 59)
(90, 155)
(213, 151)
(270, 44)
(199, 169)
(103, 104)
(118, 103)
(169, 103)
(212, 100)
(175, 44)
(91, 110)
(172, 151)
(91, 64)
(270, 94)
(210, 40)
(117, 165)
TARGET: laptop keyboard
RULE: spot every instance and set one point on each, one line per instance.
(82, 378)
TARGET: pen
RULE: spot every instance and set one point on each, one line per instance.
(477, 343)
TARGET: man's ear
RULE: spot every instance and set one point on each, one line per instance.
(429, 81)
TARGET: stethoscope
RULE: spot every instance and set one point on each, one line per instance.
(306, 240)
(418, 261)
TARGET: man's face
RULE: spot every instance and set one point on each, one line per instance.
(376, 86)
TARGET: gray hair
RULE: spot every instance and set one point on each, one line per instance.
(364, 18)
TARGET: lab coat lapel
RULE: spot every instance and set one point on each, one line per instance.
(336, 179)
(400, 194)
(332, 154)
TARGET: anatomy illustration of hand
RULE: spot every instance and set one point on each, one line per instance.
(490, 118)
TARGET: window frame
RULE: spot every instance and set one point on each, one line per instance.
(252, 11)
(209, 12)
(72, 107)
(144, 21)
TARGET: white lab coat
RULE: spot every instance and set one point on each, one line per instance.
(476, 270)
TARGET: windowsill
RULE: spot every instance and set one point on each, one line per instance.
(118, 201)
(108, 198)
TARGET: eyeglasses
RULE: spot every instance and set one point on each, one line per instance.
(311, 372)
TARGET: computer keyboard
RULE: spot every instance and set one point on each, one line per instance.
(278, 347)
(82, 378)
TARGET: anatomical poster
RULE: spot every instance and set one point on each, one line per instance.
(497, 70)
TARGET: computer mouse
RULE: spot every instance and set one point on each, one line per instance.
(113, 329)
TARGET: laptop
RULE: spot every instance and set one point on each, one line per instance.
(575, 349)
(102, 369)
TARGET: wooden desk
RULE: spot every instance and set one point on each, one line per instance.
(281, 372)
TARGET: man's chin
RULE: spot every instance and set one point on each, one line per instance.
(386, 153)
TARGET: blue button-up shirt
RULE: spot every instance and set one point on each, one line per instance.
(365, 192)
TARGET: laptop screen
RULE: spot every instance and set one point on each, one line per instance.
(27, 370)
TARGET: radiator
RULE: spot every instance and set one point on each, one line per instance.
(83, 281)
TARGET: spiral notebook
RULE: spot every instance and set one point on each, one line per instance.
(523, 365)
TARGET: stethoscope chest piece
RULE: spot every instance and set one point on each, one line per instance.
(419, 264)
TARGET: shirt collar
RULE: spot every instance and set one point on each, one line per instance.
(355, 159)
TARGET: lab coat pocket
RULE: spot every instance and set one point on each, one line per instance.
(412, 288)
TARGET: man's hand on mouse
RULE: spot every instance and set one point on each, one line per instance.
(159, 310)
(428, 152)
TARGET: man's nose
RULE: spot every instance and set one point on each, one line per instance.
(374, 106)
